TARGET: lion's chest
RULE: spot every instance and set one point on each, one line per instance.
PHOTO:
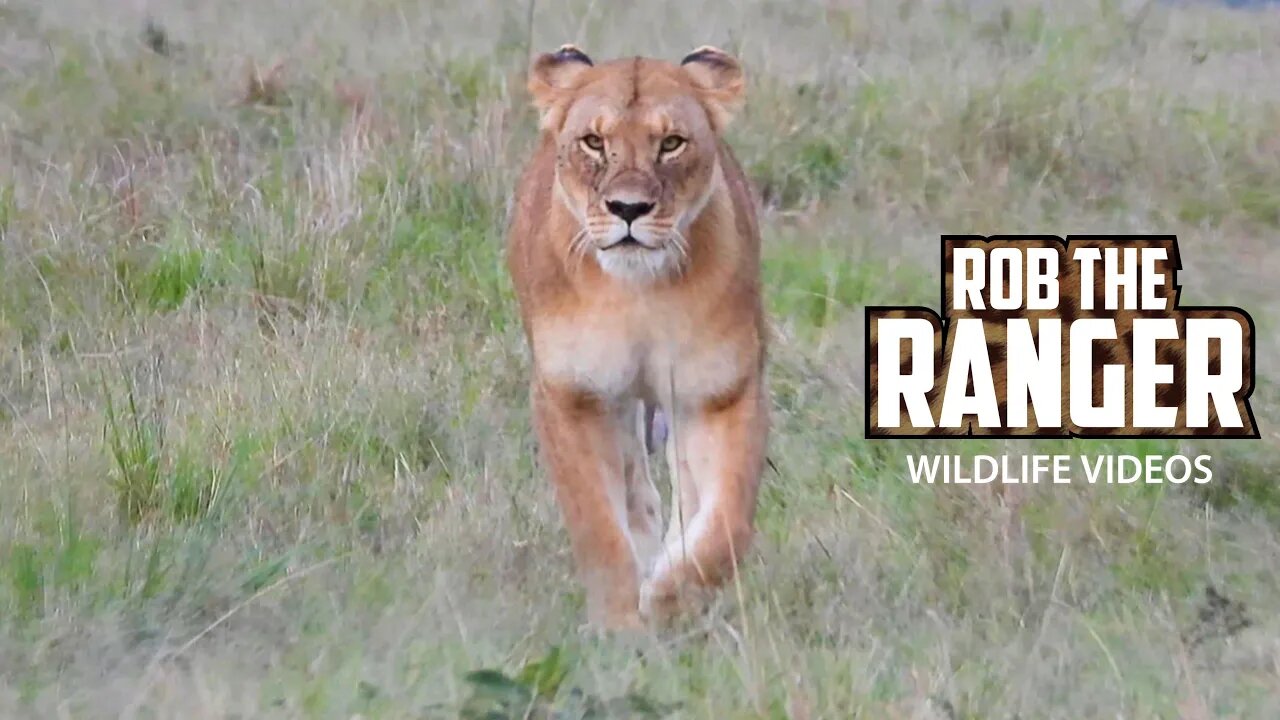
(620, 356)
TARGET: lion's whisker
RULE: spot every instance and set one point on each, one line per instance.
(682, 246)
(578, 248)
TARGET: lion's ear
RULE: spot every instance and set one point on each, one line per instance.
(720, 78)
(550, 78)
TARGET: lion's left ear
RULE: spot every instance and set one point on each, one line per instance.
(720, 78)
(551, 77)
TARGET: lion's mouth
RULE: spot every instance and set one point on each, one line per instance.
(627, 242)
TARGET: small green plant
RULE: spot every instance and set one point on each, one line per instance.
(537, 693)
(26, 580)
(149, 477)
(135, 442)
(173, 275)
(57, 556)
(7, 208)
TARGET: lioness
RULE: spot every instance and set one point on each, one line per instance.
(635, 256)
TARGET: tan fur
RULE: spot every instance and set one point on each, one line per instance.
(672, 317)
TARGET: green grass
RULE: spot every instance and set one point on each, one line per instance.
(264, 426)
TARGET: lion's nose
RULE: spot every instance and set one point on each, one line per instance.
(629, 211)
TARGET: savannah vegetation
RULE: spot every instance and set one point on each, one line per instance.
(264, 433)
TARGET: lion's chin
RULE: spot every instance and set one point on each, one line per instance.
(632, 261)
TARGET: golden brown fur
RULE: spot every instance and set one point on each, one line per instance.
(635, 256)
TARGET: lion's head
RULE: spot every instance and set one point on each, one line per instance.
(637, 145)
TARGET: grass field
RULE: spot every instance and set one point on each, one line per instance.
(264, 439)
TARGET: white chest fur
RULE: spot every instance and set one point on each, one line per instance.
(590, 353)
(647, 354)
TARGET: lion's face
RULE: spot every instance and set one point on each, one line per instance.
(636, 175)
(637, 147)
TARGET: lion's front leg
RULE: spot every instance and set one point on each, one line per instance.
(718, 453)
(582, 440)
(644, 514)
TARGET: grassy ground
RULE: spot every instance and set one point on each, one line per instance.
(263, 426)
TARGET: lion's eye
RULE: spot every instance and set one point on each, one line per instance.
(593, 142)
(670, 144)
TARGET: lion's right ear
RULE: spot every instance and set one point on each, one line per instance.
(550, 79)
